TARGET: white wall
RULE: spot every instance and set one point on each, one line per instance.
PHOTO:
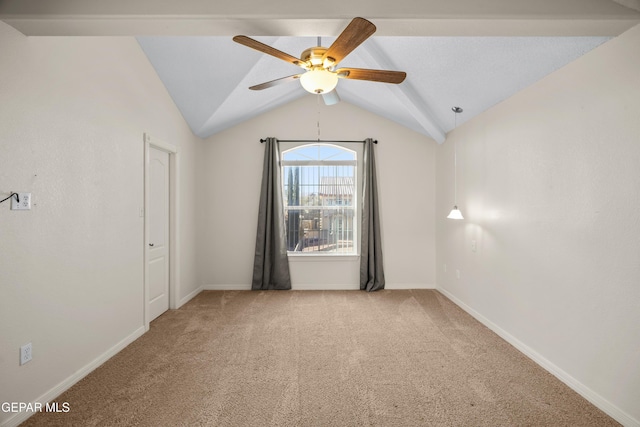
(548, 183)
(231, 173)
(72, 116)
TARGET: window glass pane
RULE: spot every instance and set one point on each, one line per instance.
(327, 152)
(319, 201)
(319, 152)
(294, 155)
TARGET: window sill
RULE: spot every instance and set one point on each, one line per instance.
(322, 258)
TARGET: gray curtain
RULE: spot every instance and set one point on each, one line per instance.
(371, 270)
(271, 266)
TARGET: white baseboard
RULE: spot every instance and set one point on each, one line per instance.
(318, 287)
(189, 297)
(77, 376)
(600, 402)
(409, 286)
(225, 287)
(295, 287)
(324, 287)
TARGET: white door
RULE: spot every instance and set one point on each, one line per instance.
(158, 244)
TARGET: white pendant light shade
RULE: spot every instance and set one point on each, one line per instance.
(455, 213)
(319, 81)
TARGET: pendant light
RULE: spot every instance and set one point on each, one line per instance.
(455, 212)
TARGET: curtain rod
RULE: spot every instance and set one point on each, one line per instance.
(375, 141)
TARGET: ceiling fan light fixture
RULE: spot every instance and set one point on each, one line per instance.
(319, 81)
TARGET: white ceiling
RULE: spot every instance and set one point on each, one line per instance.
(463, 53)
(442, 72)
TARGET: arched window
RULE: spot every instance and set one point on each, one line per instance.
(319, 191)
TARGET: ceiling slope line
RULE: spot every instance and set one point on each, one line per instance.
(375, 58)
(353, 97)
(210, 127)
(222, 125)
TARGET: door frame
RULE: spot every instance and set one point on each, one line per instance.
(174, 230)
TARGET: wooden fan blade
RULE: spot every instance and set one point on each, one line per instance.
(358, 30)
(331, 98)
(384, 76)
(275, 82)
(255, 44)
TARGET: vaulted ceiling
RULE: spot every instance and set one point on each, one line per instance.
(466, 53)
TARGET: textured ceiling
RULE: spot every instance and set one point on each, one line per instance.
(466, 53)
(208, 77)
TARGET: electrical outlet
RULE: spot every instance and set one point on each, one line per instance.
(24, 204)
(25, 353)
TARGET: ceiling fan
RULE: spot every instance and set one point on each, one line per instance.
(321, 75)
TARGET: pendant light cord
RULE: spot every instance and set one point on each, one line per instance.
(456, 111)
(455, 174)
(455, 161)
(455, 212)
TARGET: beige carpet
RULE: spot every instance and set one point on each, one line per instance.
(321, 358)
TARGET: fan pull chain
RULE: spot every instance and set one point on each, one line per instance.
(318, 102)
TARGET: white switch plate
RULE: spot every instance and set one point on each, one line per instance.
(25, 353)
(457, 273)
(24, 204)
(474, 246)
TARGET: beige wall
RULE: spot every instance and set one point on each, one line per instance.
(72, 116)
(231, 175)
(548, 183)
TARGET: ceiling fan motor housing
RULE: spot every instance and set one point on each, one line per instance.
(315, 57)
